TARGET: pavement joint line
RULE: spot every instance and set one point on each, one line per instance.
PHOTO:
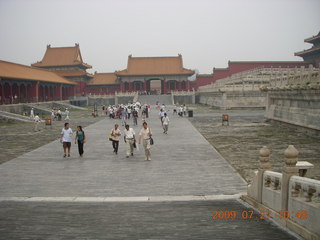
(123, 199)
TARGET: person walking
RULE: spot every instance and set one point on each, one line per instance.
(165, 123)
(129, 139)
(115, 133)
(81, 139)
(32, 113)
(135, 115)
(161, 115)
(144, 135)
(66, 136)
(37, 121)
(67, 114)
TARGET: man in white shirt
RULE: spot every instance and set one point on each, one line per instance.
(37, 121)
(165, 123)
(129, 138)
(66, 137)
(67, 114)
(32, 113)
(145, 134)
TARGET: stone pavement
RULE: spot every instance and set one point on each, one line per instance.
(107, 196)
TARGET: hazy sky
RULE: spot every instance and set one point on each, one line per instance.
(207, 33)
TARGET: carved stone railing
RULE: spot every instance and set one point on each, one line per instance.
(271, 190)
(101, 95)
(293, 200)
(182, 93)
(297, 78)
(126, 94)
(267, 79)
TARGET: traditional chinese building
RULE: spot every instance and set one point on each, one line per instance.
(23, 84)
(154, 74)
(68, 63)
(103, 83)
(311, 55)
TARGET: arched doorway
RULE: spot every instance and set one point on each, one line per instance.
(155, 86)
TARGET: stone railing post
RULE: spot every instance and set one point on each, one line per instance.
(264, 166)
(289, 170)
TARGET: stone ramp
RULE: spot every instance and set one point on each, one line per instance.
(152, 99)
(15, 117)
(140, 220)
(183, 163)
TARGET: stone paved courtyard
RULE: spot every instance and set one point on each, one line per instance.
(240, 142)
(106, 196)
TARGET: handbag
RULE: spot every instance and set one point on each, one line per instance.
(134, 144)
(110, 138)
(151, 139)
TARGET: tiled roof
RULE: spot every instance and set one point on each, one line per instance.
(155, 66)
(18, 71)
(313, 38)
(103, 79)
(308, 51)
(72, 73)
(61, 56)
(266, 62)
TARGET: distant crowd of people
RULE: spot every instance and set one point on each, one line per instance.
(122, 113)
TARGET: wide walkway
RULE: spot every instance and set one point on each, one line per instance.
(107, 196)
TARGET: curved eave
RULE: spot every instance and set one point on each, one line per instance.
(307, 52)
(144, 75)
(38, 80)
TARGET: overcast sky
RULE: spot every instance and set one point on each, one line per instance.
(208, 33)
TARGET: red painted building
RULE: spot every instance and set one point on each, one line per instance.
(23, 84)
(68, 63)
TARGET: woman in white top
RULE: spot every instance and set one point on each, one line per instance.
(115, 133)
(145, 134)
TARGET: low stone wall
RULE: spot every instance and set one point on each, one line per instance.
(184, 99)
(101, 101)
(299, 107)
(124, 99)
(233, 99)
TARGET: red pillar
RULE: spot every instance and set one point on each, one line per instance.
(59, 91)
(2, 94)
(188, 85)
(19, 93)
(11, 94)
(145, 85)
(26, 94)
(35, 91)
(164, 82)
(121, 86)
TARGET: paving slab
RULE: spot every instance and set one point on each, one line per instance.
(183, 163)
(142, 220)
